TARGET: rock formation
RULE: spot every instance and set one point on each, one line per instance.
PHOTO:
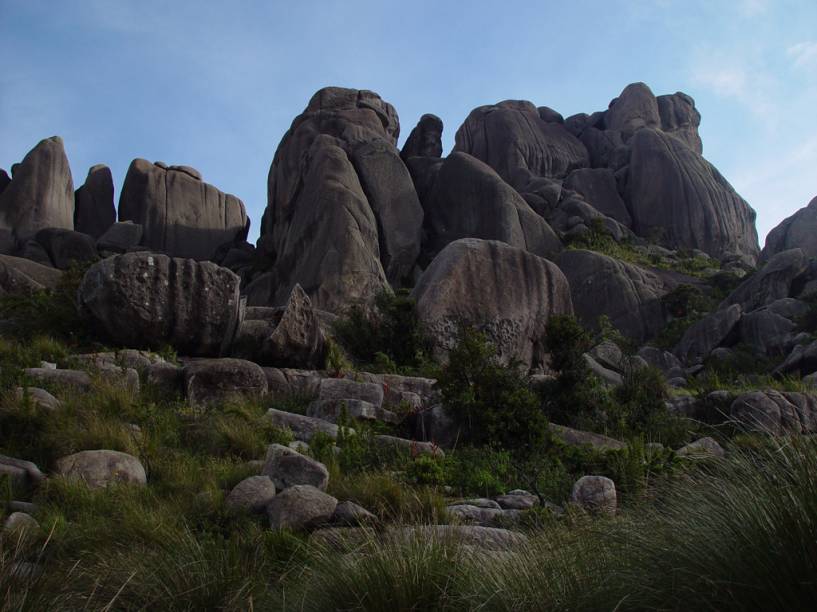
(94, 210)
(796, 232)
(425, 140)
(180, 214)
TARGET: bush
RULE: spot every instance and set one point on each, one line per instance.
(491, 403)
(391, 336)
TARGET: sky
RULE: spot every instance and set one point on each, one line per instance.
(215, 85)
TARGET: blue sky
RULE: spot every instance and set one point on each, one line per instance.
(215, 85)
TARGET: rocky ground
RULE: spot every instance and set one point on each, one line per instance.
(492, 380)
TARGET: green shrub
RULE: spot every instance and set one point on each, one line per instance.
(491, 403)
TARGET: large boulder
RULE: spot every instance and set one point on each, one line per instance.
(628, 295)
(65, 247)
(776, 413)
(179, 213)
(338, 199)
(120, 237)
(20, 276)
(149, 300)
(674, 194)
(102, 468)
(635, 108)
(507, 292)
(771, 283)
(798, 231)
(680, 118)
(214, 380)
(704, 336)
(94, 210)
(470, 200)
(41, 192)
(425, 140)
(251, 494)
(291, 336)
(300, 507)
(514, 140)
(595, 493)
(597, 186)
(287, 468)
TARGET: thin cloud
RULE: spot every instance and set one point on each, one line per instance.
(750, 86)
(803, 54)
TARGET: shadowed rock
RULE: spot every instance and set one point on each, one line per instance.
(425, 140)
(94, 210)
(680, 118)
(634, 109)
(506, 292)
(796, 232)
(41, 192)
(180, 214)
(598, 188)
(20, 276)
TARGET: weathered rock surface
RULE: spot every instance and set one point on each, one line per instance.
(425, 140)
(287, 467)
(470, 200)
(576, 437)
(101, 468)
(702, 448)
(253, 494)
(629, 295)
(506, 292)
(180, 214)
(41, 192)
(513, 139)
(342, 388)
(597, 186)
(214, 380)
(635, 108)
(19, 276)
(595, 493)
(300, 507)
(149, 300)
(776, 413)
(354, 409)
(680, 118)
(798, 231)
(65, 247)
(21, 472)
(707, 334)
(772, 282)
(302, 427)
(40, 398)
(414, 447)
(675, 194)
(120, 237)
(486, 538)
(17, 523)
(802, 360)
(351, 514)
(94, 210)
(290, 336)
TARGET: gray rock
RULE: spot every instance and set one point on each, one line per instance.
(303, 427)
(610, 356)
(765, 332)
(771, 283)
(287, 468)
(628, 295)
(464, 513)
(252, 494)
(776, 413)
(485, 538)
(166, 378)
(17, 523)
(126, 358)
(293, 336)
(802, 361)
(20, 276)
(517, 501)
(300, 507)
(478, 503)
(674, 193)
(94, 210)
(359, 410)
(680, 118)
(575, 437)
(21, 472)
(436, 425)
(598, 188)
(213, 380)
(607, 376)
(663, 360)
(408, 446)
(65, 247)
(425, 140)
(349, 513)
(795, 232)
(602, 145)
(635, 108)
(78, 379)
(703, 447)
(341, 388)
(38, 397)
(101, 468)
(41, 192)
(707, 334)
(192, 306)
(506, 292)
(470, 200)
(120, 237)
(180, 215)
(595, 493)
(513, 139)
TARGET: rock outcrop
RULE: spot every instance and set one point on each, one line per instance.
(180, 214)
(40, 194)
(796, 232)
(94, 209)
(425, 140)
(507, 292)
(150, 300)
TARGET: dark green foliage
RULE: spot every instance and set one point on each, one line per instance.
(491, 403)
(391, 337)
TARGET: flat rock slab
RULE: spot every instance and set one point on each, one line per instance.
(101, 468)
(344, 389)
(487, 538)
(253, 494)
